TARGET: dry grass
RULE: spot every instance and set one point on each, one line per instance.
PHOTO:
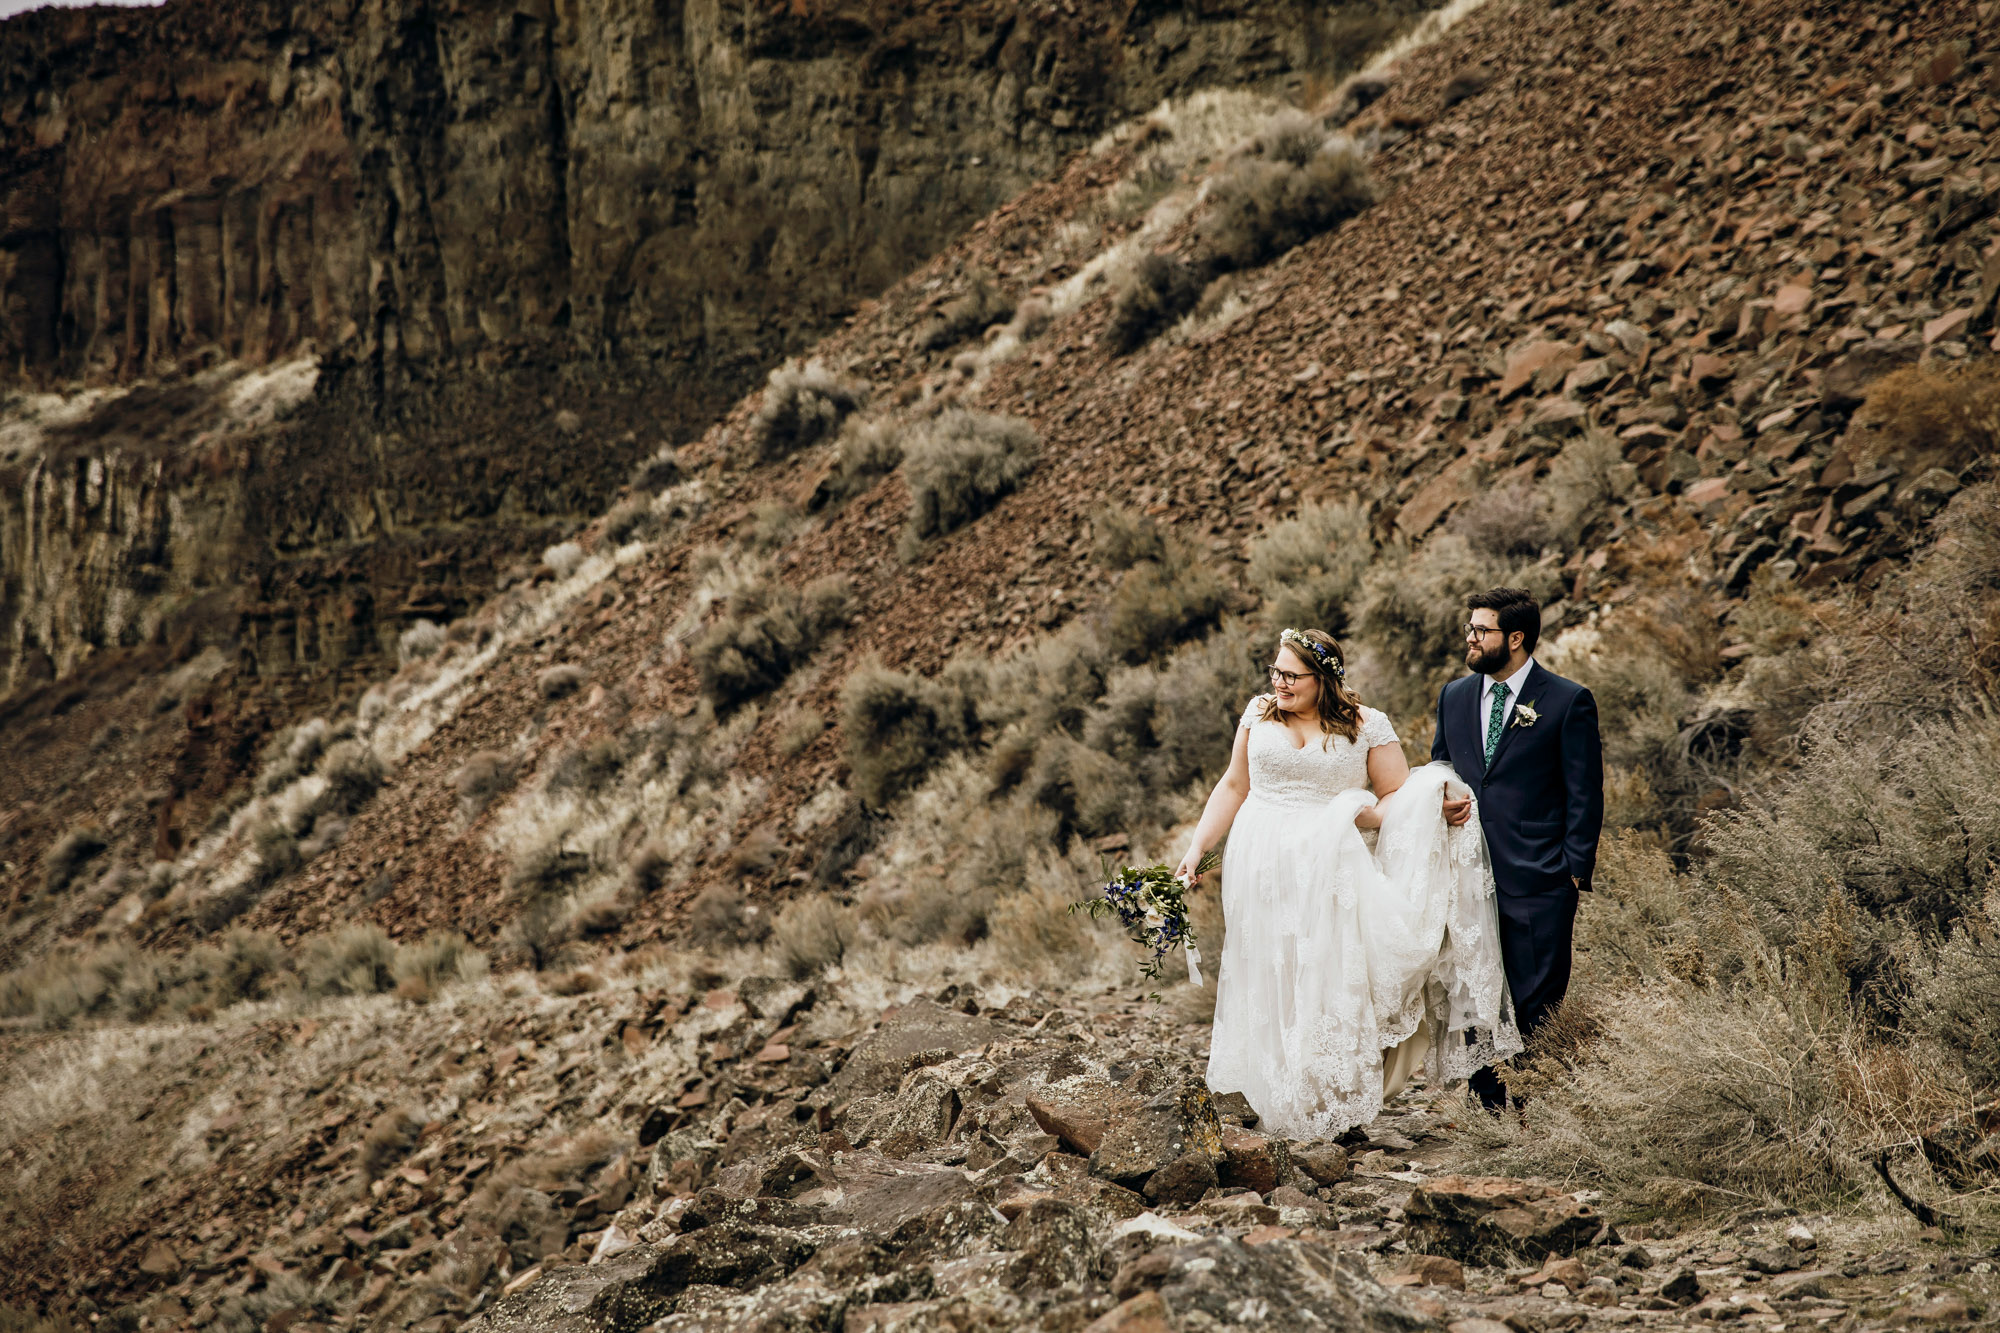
(896, 727)
(798, 731)
(1949, 414)
(1309, 567)
(802, 405)
(980, 305)
(769, 629)
(810, 936)
(67, 857)
(1149, 295)
(484, 777)
(958, 466)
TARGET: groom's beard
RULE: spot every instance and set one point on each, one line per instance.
(1486, 661)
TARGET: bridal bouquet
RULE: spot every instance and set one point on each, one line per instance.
(1151, 903)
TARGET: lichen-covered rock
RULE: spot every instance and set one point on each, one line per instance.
(1486, 1219)
(1168, 1127)
(1056, 1247)
(879, 1062)
(642, 1284)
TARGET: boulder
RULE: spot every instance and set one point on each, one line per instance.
(1181, 1182)
(1165, 1128)
(920, 1116)
(637, 1287)
(1056, 1247)
(877, 1194)
(880, 1060)
(1253, 1161)
(1287, 1282)
(1324, 1163)
(775, 998)
(712, 1206)
(1080, 1109)
(1434, 1270)
(1775, 1260)
(1681, 1287)
(1486, 1219)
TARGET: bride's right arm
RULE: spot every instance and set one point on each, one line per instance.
(1223, 803)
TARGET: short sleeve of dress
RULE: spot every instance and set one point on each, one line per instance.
(1253, 712)
(1376, 729)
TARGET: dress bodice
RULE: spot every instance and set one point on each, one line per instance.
(1315, 773)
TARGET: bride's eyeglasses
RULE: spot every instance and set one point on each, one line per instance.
(1285, 678)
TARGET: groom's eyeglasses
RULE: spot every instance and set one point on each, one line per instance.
(1474, 631)
(1285, 678)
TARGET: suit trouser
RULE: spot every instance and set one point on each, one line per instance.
(1536, 932)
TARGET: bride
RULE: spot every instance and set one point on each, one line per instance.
(1343, 968)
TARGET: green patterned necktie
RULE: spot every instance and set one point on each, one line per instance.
(1499, 718)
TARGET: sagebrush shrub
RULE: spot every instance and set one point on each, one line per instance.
(69, 854)
(768, 629)
(1952, 412)
(1578, 485)
(721, 917)
(1261, 206)
(292, 754)
(421, 640)
(590, 768)
(1160, 603)
(1504, 522)
(631, 519)
(392, 1136)
(896, 728)
(1309, 567)
(564, 558)
(799, 731)
(481, 779)
(354, 960)
(802, 405)
(353, 775)
(959, 465)
(981, 304)
(656, 472)
(1149, 295)
(810, 936)
(870, 449)
(560, 681)
(1121, 539)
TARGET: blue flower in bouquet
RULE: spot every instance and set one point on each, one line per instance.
(1151, 903)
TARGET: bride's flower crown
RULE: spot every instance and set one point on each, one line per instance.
(1321, 654)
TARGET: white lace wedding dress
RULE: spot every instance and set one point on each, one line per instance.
(1334, 952)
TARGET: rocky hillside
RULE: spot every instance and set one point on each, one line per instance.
(521, 247)
(1665, 333)
(1670, 312)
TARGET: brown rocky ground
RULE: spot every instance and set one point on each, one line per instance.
(856, 1152)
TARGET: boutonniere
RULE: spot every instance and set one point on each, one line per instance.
(1525, 715)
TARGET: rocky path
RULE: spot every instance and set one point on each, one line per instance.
(1064, 1167)
(684, 1147)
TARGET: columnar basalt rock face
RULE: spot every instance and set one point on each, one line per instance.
(408, 182)
(474, 216)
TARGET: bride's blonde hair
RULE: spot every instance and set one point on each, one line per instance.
(1339, 707)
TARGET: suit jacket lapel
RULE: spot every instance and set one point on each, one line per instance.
(1531, 692)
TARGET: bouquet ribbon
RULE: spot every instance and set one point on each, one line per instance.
(1193, 954)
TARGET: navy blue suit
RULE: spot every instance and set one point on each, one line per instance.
(1541, 805)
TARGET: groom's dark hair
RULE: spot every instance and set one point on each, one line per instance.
(1515, 608)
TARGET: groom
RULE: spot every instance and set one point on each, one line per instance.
(1525, 740)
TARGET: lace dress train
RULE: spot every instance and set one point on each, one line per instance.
(1337, 954)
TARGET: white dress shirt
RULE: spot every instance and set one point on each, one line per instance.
(1513, 683)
